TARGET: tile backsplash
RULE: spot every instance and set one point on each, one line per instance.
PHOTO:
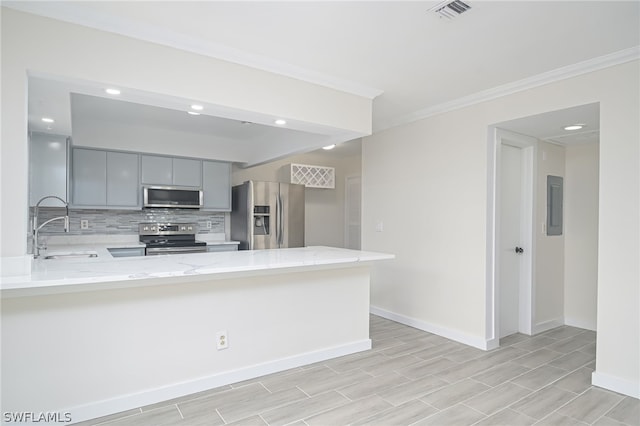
(122, 222)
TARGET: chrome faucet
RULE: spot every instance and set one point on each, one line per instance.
(36, 228)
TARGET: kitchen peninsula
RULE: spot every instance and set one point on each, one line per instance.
(100, 335)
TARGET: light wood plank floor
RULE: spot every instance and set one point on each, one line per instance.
(411, 377)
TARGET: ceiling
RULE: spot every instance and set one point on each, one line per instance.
(549, 126)
(72, 101)
(410, 61)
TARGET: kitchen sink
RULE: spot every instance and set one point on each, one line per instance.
(72, 255)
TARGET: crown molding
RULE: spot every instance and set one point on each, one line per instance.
(158, 35)
(558, 74)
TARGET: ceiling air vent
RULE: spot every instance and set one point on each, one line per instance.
(450, 9)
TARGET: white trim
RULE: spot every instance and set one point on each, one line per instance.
(527, 236)
(541, 327)
(527, 277)
(476, 342)
(165, 37)
(580, 323)
(616, 384)
(558, 74)
(491, 320)
(346, 209)
(175, 390)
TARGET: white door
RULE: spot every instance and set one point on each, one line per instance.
(510, 236)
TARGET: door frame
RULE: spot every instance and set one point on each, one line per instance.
(496, 138)
(346, 208)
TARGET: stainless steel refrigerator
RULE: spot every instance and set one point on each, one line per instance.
(266, 215)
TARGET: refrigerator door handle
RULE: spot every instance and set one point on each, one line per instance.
(280, 221)
(250, 215)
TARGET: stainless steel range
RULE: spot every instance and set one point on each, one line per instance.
(170, 238)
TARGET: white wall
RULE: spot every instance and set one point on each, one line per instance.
(48, 47)
(581, 235)
(550, 251)
(324, 208)
(427, 182)
(618, 320)
(101, 352)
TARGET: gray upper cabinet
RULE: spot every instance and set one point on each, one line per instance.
(187, 172)
(159, 170)
(110, 179)
(48, 158)
(123, 188)
(89, 178)
(216, 186)
(102, 179)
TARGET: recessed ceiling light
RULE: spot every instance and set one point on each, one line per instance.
(47, 120)
(193, 113)
(112, 91)
(197, 107)
(328, 147)
(280, 122)
(575, 127)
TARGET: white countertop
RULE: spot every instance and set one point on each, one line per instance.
(104, 272)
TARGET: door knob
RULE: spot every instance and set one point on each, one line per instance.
(519, 250)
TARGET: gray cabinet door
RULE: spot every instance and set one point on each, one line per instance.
(126, 251)
(123, 189)
(216, 186)
(47, 168)
(187, 172)
(89, 177)
(222, 247)
(157, 170)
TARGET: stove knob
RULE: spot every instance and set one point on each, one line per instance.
(190, 228)
(183, 228)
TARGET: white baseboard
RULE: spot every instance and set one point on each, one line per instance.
(580, 323)
(547, 325)
(127, 402)
(492, 344)
(616, 384)
(474, 341)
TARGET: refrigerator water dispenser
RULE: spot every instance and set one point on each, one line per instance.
(261, 220)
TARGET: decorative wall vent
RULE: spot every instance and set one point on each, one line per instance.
(313, 176)
(450, 9)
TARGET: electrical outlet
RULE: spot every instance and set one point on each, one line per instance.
(84, 224)
(209, 224)
(379, 226)
(222, 340)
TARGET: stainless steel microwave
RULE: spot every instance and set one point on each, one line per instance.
(172, 197)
